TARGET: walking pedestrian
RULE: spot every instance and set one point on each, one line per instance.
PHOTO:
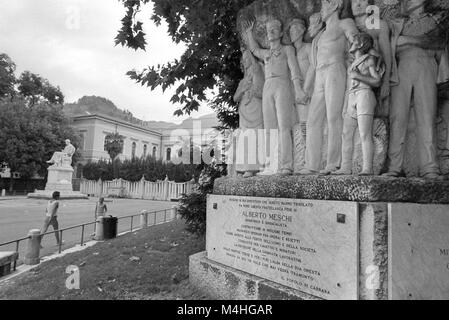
(51, 216)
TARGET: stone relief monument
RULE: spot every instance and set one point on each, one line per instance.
(310, 140)
(365, 214)
(60, 176)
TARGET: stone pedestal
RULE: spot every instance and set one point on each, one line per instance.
(363, 239)
(59, 179)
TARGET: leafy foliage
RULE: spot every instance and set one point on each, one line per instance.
(193, 207)
(211, 61)
(114, 144)
(133, 170)
(7, 77)
(37, 89)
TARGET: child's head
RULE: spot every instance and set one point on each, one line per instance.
(363, 42)
(101, 200)
(56, 195)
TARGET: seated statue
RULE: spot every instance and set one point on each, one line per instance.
(63, 158)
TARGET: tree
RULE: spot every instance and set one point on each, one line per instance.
(7, 76)
(114, 146)
(29, 136)
(37, 89)
(211, 60)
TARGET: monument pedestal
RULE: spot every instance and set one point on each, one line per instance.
(59, 179)
(270, 238)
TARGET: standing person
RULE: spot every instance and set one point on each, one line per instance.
(100, 208)
(51, 216)
(100, 211)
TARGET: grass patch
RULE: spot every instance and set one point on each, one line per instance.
(150, 264)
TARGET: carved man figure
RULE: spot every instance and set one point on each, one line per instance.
(64, 157)
(417, 71)
(281, 68)
(249, 97)
(364, 74)
(330, 86)
(296, 30)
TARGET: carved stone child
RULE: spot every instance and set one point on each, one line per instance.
(365, 75)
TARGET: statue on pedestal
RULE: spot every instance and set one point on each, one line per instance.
(330, 87)
(63, 158)
(281, 69)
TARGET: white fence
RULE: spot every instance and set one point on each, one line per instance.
(160, 190)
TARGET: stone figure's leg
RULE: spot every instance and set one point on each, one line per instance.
(317, 114)
(425, 107)
(349, 128)
(335, 98)
(270, 123)
(53, 159)
(399, 118)
(366, 137)
(284, 106)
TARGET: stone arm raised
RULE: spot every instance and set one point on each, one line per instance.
(254, 47)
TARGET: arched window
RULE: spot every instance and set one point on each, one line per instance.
(168, 154)
(154, 152)
(145, 147)
(133, 152)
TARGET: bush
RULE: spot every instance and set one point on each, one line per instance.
(134, 170)
(193, 207)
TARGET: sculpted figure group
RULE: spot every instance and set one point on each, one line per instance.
(348, 74)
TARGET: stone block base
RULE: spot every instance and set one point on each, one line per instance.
(65, 195)
(220, 282)
(7, 259)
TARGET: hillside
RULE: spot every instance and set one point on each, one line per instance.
(102, 106)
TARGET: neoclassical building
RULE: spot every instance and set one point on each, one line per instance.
(139, 141)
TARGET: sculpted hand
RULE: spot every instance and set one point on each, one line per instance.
(354, 74)
(300, 96)
(385, 90)
(248, 26)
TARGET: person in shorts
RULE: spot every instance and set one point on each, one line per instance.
(51, 216)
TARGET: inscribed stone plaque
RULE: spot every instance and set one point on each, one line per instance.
(311, 246)
(419, 252)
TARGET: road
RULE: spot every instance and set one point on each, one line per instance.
(20, 215)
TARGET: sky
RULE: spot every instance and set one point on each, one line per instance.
(71, 43)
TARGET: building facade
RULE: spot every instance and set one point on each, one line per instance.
(140, 141)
